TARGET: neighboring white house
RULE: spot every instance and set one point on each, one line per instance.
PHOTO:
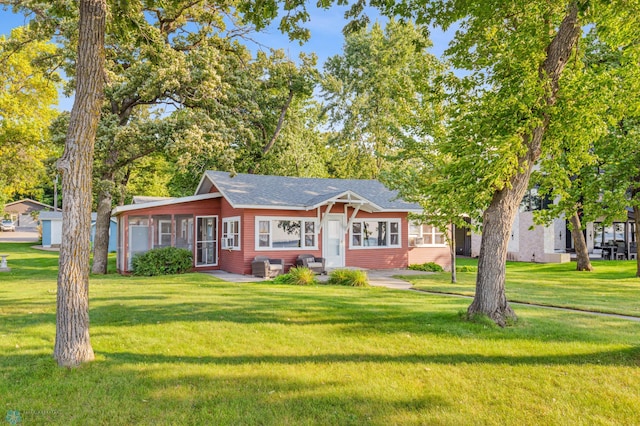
(533, 243)
(553, 243)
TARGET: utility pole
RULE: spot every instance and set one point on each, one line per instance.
(55, 193)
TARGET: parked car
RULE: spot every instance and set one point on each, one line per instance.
(7, 225)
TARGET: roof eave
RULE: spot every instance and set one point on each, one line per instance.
(205, 175)
(362, 201)
(133, 207)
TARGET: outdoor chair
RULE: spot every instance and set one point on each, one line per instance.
(267, 268)
(621, 253)
(633, 250)
(316, 264)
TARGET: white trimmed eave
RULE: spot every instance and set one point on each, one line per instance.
(133, 207)
(204, 177)
(350, 199)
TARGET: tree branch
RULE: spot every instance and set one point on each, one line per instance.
(283, 112)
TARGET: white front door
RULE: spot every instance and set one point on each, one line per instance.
(333, 241)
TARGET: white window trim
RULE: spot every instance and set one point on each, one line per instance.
(226, 221)
(389, 246)
(258, 219)
(160, 233)
(433, 234)
(196, 241)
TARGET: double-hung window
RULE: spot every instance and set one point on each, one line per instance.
(425, 235)
(286, 233)
(375, 233)
(231, 233)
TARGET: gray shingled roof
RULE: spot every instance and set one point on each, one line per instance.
(245, 190)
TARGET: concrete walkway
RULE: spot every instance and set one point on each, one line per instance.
(377, 278)
(19, 236)
(385, 278)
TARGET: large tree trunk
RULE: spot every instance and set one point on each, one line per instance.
(101, 239)
(72, 345)
(490, 298)
(582, 252)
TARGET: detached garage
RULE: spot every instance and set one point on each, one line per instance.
(52, 230)
(21, 212)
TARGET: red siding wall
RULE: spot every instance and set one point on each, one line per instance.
(439, 255)
(233, 260)
(239, 261)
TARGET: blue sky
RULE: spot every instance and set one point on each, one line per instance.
(326, 37)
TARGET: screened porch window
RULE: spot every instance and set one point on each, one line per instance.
(184, 231)
(163, 231)
(139, 232)
(156, 231)
(206, 241)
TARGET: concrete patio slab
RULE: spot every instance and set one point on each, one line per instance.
(377, 277)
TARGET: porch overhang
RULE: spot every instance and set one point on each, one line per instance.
(170, 201)
(348, 199)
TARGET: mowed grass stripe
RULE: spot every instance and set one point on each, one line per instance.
(192, 350)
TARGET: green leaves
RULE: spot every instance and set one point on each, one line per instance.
(380, 92)
(26, 109)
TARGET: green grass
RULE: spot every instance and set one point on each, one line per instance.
(190, 349)
(611, 288)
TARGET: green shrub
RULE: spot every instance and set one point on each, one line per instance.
(350, 277)
(163, 261)
(297, 276)
(466, 268)
(427, 267)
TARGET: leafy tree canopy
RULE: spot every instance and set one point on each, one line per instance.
(380, 93)
(28, 95)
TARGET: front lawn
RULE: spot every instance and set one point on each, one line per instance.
(612, 287)
(193, 350)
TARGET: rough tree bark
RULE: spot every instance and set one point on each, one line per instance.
(106, 190)
(72, 345)
(103, 223)
(498, 218)
(108, 186)
(582, 252)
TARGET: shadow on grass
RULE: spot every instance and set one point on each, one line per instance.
(359, 314)
(127, 389)
(630, 356)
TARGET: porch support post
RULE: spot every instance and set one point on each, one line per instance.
(326, 212)
(353, 215)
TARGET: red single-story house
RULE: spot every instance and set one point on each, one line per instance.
(231, 219)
